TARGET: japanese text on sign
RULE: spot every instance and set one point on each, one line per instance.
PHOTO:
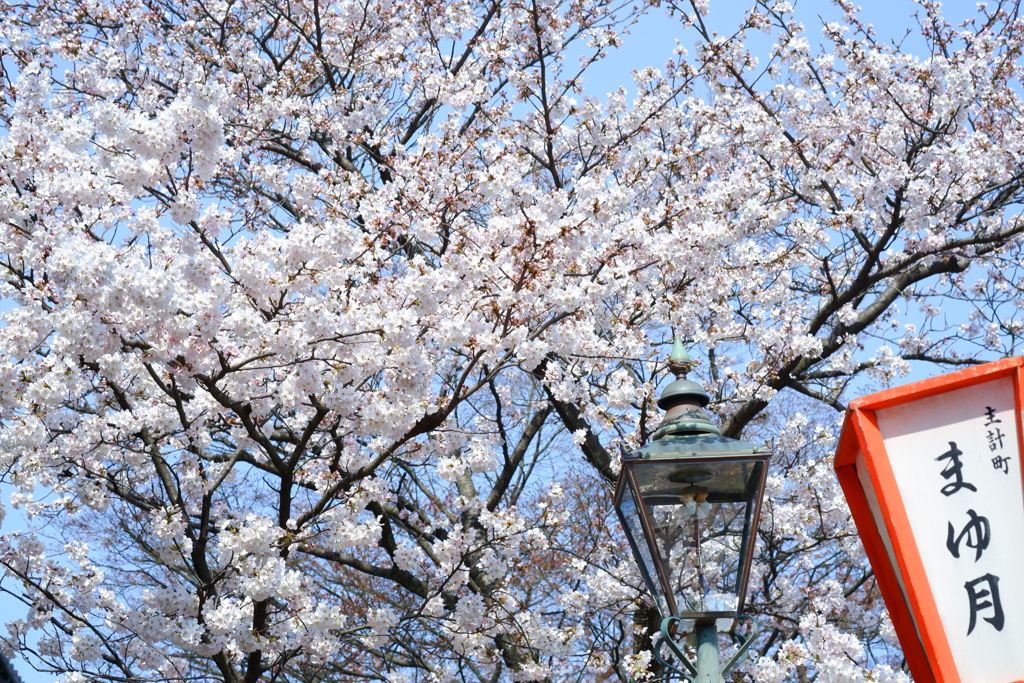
(982, 592)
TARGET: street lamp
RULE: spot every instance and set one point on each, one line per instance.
(689, 502)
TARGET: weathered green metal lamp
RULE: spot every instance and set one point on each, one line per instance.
(689, 502)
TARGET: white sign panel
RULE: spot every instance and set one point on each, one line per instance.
(956, 461)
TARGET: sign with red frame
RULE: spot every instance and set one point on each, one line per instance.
(932, 473)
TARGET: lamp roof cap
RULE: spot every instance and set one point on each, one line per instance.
(682, 390)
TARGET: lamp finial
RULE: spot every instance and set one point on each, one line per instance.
(679, 361)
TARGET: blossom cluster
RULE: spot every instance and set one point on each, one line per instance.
(326, 324)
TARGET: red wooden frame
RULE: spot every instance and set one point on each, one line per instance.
(913, 611)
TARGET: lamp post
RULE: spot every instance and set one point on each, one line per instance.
(689, 502)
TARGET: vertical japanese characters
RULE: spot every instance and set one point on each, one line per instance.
(976, 534)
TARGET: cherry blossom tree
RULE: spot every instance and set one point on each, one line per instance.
(329, 321)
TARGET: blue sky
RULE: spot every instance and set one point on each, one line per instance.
(651, 41)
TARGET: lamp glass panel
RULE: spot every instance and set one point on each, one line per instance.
(630, 516)
(700, 513)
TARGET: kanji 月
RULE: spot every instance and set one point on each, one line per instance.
(983, 594)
